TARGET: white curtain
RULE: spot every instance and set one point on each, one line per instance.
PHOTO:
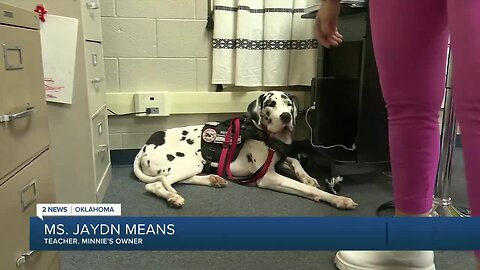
(263, 43)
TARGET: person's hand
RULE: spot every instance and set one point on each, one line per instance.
(326, 24)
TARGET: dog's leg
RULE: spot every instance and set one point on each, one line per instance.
(277, 182)
(178, 171)
(301, 173)
(249, 159)
(158, 189)
(211, 180)
(241, 167)
(183, 170)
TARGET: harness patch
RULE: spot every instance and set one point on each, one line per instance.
(213, 138)
(221, 138)
(209, 135)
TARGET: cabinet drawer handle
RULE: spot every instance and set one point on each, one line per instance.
(97, 80)
(94, 59)
(12, 53)
(29, 189)
(23, 257)
(103, 148)
(13, 116)
(92, 5)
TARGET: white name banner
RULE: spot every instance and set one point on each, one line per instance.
(62, 209)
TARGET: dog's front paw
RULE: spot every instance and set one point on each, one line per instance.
(176, 200)
(217, 181)
(308, 180)
(344, 203)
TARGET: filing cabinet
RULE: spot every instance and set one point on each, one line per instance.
(91, 20)
(79, 131)
(24, 126)
(25, 160)
(95, 74)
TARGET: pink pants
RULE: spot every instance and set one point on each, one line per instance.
(410, 42)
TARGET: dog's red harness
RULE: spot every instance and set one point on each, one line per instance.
(228, 153)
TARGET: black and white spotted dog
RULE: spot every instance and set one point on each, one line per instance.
(174, 156)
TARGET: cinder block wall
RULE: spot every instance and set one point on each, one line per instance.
(158, 45)
(155, 45)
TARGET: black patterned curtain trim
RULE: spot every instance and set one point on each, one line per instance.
(248, 44)
(260, 10)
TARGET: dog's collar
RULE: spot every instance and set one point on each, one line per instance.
(281, 148)
(252, 131)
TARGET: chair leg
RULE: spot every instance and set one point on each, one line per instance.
(443, 205)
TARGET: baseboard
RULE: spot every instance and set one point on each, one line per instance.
(123, 157)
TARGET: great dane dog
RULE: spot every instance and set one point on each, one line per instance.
(175, 156)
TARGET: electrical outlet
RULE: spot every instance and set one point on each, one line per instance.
(153, 103)
(152, 111)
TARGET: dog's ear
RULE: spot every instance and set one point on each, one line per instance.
(254, 111)
(296, 106)
(260, 101)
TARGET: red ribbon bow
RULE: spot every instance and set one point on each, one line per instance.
(41, 12)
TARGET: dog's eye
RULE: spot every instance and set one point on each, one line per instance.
(270, 103)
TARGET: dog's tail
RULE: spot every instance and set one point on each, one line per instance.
(149, 179)
(142, 176)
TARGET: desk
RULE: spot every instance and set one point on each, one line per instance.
(350, 109)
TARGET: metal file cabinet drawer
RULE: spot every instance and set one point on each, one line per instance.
(23, 112)
(19, 196)
(87, 11)
(91, 20)
(12, 15)
(95, 76)
(100, 144)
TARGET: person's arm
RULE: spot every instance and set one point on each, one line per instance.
(327, 22)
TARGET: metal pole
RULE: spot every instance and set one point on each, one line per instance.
(442, 205)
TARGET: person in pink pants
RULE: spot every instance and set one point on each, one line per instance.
(410, 39)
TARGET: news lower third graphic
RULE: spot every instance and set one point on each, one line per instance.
(101, 227)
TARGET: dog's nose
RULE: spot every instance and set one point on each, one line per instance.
(285, 117)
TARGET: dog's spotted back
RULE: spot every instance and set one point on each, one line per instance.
(168, 150)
